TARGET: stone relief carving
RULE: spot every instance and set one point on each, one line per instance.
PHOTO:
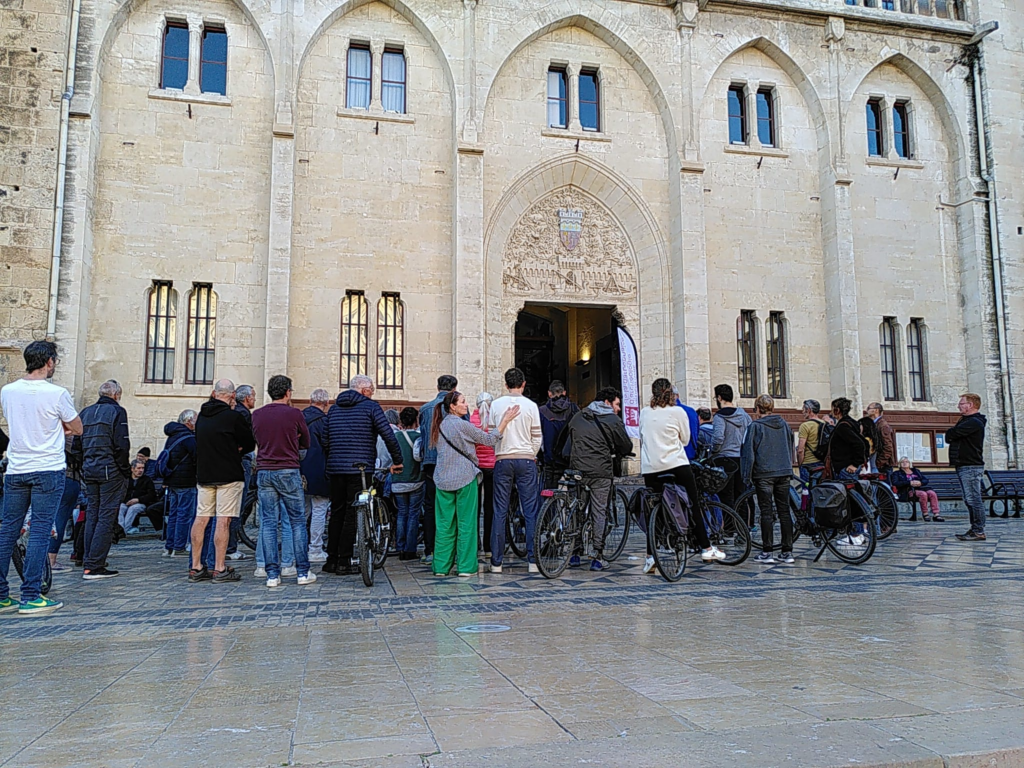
(538, 262)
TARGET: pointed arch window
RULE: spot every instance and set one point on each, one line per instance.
(213, 61)
(558, 98)
(358, 77)
(876, 145)
(390, 340)
(392, 80)
(916, 363)
(161, 327)
(776, 347)
(354, 328)
(737, 98)
(174, 56)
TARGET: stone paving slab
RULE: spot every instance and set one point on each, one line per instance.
(812, 665)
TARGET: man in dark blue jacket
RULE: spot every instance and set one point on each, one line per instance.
(554, 415)
(318, 490)
(106, 457)
(180, 481)
(353, 424)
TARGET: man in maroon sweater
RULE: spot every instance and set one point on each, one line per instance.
(281, 433)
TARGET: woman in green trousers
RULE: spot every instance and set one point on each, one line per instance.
(455, 476)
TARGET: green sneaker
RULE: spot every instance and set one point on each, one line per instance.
(9, 605)
(39, 607)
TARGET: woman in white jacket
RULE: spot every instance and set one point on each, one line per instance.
(664, 435)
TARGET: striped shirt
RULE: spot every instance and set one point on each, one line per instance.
(454, 470)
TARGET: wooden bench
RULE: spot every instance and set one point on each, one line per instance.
(998, 488)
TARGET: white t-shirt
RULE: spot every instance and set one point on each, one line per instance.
(35, 410)
(664, 435)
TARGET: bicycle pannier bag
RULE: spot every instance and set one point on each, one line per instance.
(829, 503)
(678, 505)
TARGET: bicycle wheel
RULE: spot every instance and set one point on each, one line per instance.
(364, 538)
(249, 524)
(553, 540)
(515, 526)
(381, 532)
(746, 507)
(617, 529)
(888, 513)
(856, 544)
(728, 532)
(18, 558)
(669, 547)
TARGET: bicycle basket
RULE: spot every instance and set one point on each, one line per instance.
(830, 505)
(709, 479)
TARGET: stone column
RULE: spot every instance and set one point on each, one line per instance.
(195, 39)
(376, 52)
(572, 98)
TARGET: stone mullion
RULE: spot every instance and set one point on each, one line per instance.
(195, 37)
(572, 98)
(376, 100)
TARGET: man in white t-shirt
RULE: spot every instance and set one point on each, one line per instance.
(39, 415)
(515, 461)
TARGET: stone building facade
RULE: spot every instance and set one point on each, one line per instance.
(387, 186)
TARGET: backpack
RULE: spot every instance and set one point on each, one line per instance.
(163, 469)
(678, 505)
(829, 505)
(825, 431)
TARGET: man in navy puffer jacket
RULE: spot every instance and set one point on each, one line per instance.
(353, 424)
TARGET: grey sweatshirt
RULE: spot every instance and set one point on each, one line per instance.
(730, 427)
(767, 449)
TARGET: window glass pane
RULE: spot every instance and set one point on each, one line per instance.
(393, 97)
(357, 92)
(393, 67)
(874, 129)
(901, 137)
(215, 45)
(557, 111)
(736, 117)
(359, 63)
(765, 129)
(213, 78)
(588, 116)
(589, 103)
(588, 86)
(176, 42)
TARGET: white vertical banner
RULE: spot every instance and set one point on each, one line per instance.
(630, 383)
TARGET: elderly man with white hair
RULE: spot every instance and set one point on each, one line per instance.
(105, 469)
(179, 474)
(318, 490)
(223, 436)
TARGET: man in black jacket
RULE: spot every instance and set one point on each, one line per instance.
(597, 436)
(222, 437)
(847, 449)
(105, 469)
(966, 441)
(180, 482)
(555, 414)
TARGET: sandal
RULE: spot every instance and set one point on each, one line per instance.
(938, 519)
(228, 574)
(927, 518)
(199, 574)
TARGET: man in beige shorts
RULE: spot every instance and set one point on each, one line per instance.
(223, 436)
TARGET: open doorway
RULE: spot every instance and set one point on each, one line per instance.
(577, 345)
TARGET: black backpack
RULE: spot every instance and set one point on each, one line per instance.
(825, 431)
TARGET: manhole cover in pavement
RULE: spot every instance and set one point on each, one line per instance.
(478, 629)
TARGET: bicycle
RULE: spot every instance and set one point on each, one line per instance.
(249, 519)
(20, 552)
(373, 528)
(515, 525)
(563, 522)
(862, 513)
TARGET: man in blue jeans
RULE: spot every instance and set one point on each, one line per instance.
(281, 434)
(966, 440)
(39, 415)
(515, 461)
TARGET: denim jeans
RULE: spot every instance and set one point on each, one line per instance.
(67, 505)
(236, 522)
(970, 481)
(287, 545)
(42, 491)
(181, 513)
(410, 507)
(281, 501)
(316, 513)
(101, 517)
(522, 472)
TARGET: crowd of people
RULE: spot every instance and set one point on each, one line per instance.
(450, 471)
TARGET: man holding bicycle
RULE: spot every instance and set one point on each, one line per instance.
(596, 436)
(39, 415)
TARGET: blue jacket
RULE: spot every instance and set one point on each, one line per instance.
(554, 416)
(353, 423)
(105, 443)
(426, 416)
(691, 417)
(313, 467)
(181, 462)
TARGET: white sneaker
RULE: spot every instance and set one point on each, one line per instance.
(648, 564)
(275, 582)
(236, 556)
(533, 568)
(307, 579)
(260, 572)
(493, 568)
(857, 540)
(711, 554)
(289, 570)
(318, 557)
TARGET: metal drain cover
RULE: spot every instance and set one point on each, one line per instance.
(479, 629)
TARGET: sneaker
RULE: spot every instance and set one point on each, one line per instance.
(236, 556)
(786, 557)
(9, 605)
(166, 553)
(260, 572)
(132, 531)
(58, 567)
(39, 607)
(649, 564)
(318, 557)
(596, 564)
(180, 553)
(274, 581)
(289, 570)
(199, 574)
(228, 574)
(466, 575)
(857, 540)
(309, 578)
(491, 568)
(712, 554)
(971, 536)
(765, 558)
(98, 573)
(574, 561)
(533, 568)
(427, 559)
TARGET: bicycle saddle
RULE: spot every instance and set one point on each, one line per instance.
(572, 474)
(360, 467)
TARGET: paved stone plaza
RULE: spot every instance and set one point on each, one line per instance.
(916, 657)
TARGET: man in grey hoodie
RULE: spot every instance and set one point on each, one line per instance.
(729, 427)
(767, 459)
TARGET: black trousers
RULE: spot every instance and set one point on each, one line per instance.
(428, 518)
(734, 485)
(341, 531)
(487, 505)
(683, 476)
(100, 518)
